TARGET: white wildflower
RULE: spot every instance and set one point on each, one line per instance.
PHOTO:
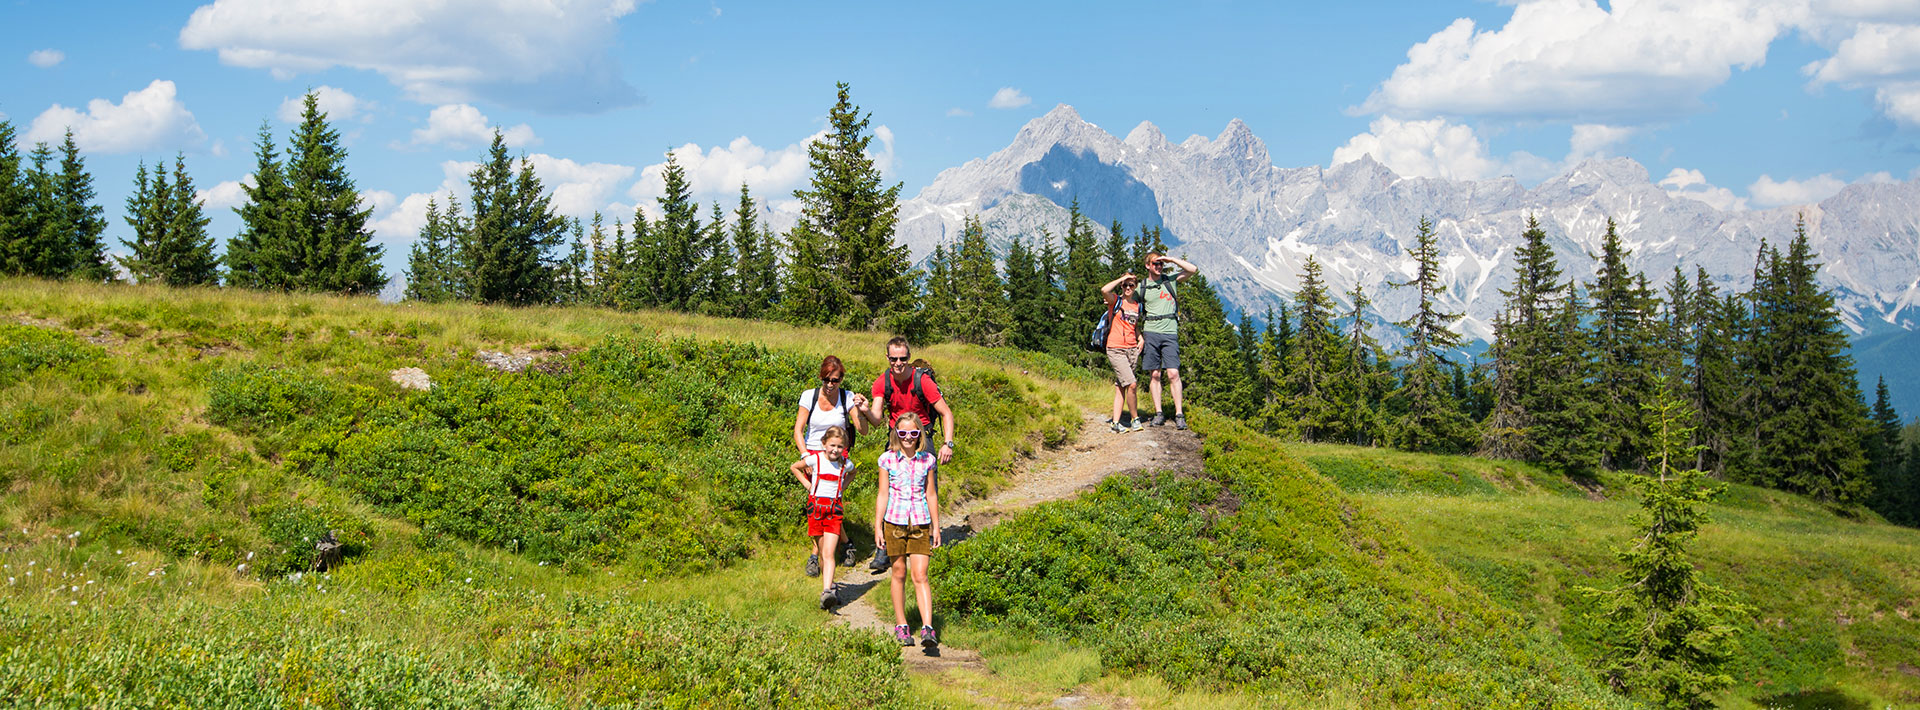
(249, 555)
(241, 568)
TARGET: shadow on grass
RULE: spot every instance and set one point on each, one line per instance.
(1828, 699)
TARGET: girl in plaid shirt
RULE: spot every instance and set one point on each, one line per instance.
(909, 516)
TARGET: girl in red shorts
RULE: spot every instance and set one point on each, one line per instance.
(825, 474)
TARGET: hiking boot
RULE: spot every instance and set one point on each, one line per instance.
(828, 600)
(1117, 428)
(1159, 419)
(813, 565)
(1138, 426)
(1180, 421)
(928, 638)
(849, 558)
(901, 634)
(880, 563)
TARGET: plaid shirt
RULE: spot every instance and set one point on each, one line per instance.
(907, 480)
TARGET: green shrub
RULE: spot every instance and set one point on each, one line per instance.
(27, 349)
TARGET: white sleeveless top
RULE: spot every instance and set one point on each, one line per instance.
(818, 421)
(828, 475)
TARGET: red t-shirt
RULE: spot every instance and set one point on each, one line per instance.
(903, 400)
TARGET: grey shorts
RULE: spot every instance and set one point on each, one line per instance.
(1126, 361)
(1160, 351)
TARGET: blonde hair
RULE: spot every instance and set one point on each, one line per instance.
(833, 432)
(893, 434)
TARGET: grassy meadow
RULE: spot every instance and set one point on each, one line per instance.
(615, 526)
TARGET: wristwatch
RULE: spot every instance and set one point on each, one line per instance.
(950, 444)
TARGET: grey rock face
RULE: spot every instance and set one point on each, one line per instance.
(1250, 225)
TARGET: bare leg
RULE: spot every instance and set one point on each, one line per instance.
(829, 542)
(922, 591)
(1153, 386)
(1133, 399)
(1117, 402)
(900, 591)
(1179, 400)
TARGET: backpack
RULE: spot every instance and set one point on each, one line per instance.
(1168, 286)
(920, 368)
(814, 400)
(1102, 327)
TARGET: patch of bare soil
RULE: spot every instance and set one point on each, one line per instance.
(1052, 475)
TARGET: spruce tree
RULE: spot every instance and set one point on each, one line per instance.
(170, 243)
(332, 250)
(1622, 341)
(1211, 368)
(1306, 403)
(1565, 433)
(940, 309)
(1523, 339)
(979, 296)
(17, 226)
(82, 222)
(1085, 274)
(265, 241)
(1431, 420)
(1028, 296)
(1712, 373)
(618, 292)
(670, 259)
(426, 262)
(575, 284)
(38, 249)
(1363, 374)
(1885, 458)
(847, 269)
(755, 282)
(507, 253)
(713, 276)
(1062, 332)
(1119, 261)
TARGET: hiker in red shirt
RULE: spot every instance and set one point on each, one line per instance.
(905, 388)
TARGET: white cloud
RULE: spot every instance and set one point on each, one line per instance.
(1693, 185)
(1435, 148)
(46, 58)
(1008, 97)
(152, 118)
(1574, 60)
(1593, 141)
(580, 189)
(1766, 192)
(719, 171)
(227, 194)
(462, 126)
(957, 111)
(336, 103)
(531, 53)
(396, 220)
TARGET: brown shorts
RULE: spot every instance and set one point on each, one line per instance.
(1125, 363)
(903, 540)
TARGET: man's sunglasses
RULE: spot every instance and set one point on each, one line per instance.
(891, 358)
(904, 434)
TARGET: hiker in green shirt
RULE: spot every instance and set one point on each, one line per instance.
(1160, 331)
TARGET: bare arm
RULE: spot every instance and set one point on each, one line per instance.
(1107, 290)
(1187, 269)
(800, 429)
(801, 471)
(933, 502)
(879, 507)
(946, 427)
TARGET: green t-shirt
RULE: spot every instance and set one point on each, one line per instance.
(1157, 295)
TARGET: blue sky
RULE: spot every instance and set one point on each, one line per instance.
(1741, 103)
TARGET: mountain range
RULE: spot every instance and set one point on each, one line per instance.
(1249, 224)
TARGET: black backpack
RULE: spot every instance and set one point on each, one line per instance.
(920, 368)
(814, 400)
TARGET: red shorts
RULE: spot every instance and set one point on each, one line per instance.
(821, 524)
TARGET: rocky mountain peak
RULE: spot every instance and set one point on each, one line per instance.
(1147, 136)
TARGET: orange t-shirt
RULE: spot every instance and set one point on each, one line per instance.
(1124, 333)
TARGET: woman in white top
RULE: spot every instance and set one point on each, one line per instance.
(823, 408)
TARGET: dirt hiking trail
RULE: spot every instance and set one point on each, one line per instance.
(1050, 475)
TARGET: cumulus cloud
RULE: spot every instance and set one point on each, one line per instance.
(1693, 185)
(46, 58)
(152, 118)
(577, 190)
(1594, 141)
(1767, 192)
(1008, 97)
(1881, 56)
(1574, 60)
(1435, 148)
(957, 111)
(226, 195)
(461, 126)
(720, 170)
(580, 189)
(398, 220)
(337, 104)
(528, 53)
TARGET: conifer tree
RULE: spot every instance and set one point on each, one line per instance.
(507, 252)
(1885, 458)
(1431, 420)
(262, 253)
(1249, 348)
(1565, 434)
(82, 222)
(37, 248)
(620, 268)
(170, 243)
(1667, 634)
(670, 259)
(1622, 340)
(1522, 338)
(1146, 241)
(940, 309)
(1811, 415)
(17, 226)
(333, 250)
(575, 287)
(846, 268)
(1306, 404)
(1210, 366)
(1085, 274)
(1363, 374)
(600, 256)
(431, 273)
(1119, 261)
(1711, 372)
(635, 289)
(979, 296)
(756, 281)
(713, 277)
(1061, 332)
